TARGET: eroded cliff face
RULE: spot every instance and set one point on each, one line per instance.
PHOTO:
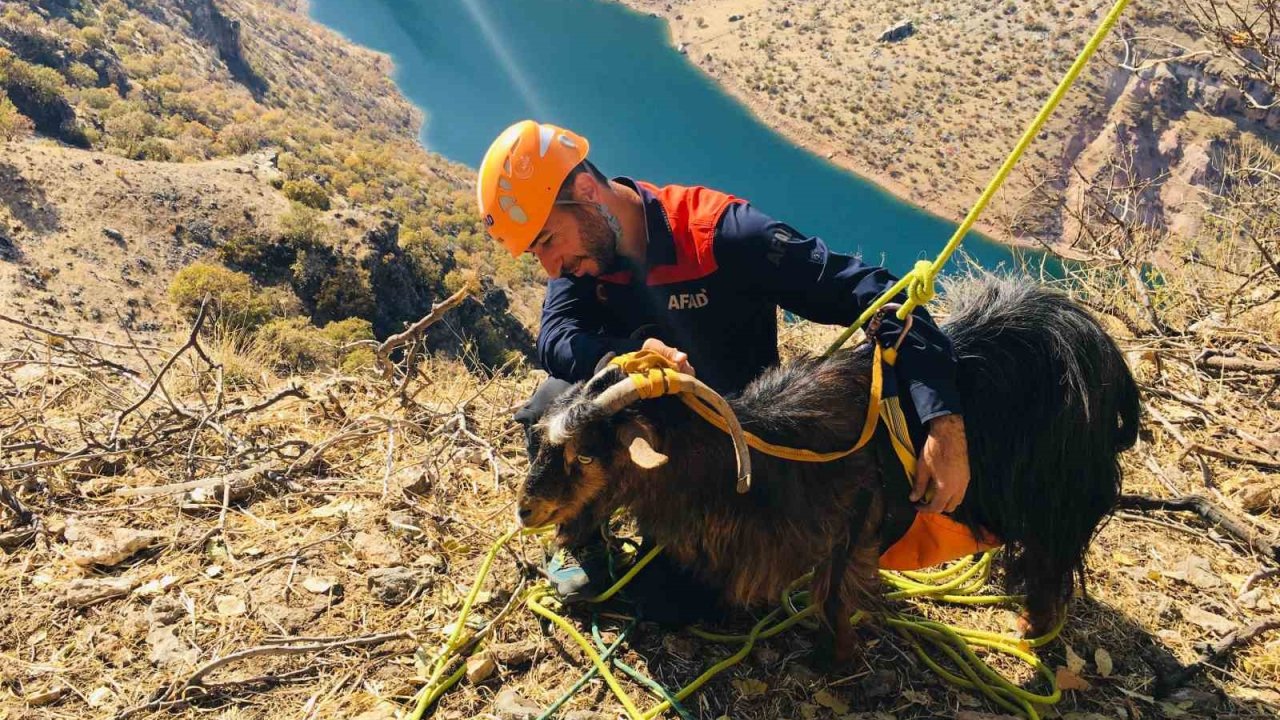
(1166, 131)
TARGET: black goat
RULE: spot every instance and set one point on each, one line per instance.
(1048, 404)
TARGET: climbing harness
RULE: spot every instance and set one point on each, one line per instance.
(959, 582)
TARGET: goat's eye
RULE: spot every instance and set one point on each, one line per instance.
(585, 459)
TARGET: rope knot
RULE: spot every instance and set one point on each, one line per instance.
(920, 290)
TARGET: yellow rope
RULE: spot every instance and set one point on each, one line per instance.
(919, 282)
(654, 375)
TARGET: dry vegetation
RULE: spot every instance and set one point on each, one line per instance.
(251, 517)
(193, 82)
(931, 116)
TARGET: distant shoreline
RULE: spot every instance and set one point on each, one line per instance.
(796, 133)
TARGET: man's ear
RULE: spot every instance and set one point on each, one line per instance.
(604, 362)
(639, 438)
(586, 188)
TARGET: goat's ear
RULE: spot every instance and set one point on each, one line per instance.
(638, 437)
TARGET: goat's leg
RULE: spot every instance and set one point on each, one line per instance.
(847, 581)
(835, 647)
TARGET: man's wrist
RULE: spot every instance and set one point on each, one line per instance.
(948, 423)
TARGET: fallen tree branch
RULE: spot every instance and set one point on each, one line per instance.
(415, 330)
(1233, 457)
(1166, 684)
(1221, 364)
(197, 678)
(291, 391)
(1211, 514)
(20, 511)
(192, 341)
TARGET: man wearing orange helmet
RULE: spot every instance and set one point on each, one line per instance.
(697, 275)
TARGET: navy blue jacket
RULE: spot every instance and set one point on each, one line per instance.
(716, 271)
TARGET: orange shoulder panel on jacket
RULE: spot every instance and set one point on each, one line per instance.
(692, 215)
(932, 540)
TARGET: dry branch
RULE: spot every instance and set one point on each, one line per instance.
(414, 331)
(1167, 683)
(1211, 514)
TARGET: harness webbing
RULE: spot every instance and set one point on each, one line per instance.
(656, 376)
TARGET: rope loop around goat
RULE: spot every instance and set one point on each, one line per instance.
(654, 376)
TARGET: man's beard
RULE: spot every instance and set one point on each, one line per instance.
(599, 241)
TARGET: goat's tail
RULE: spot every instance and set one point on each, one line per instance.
(1049, 403)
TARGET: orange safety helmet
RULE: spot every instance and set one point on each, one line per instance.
(519, 177)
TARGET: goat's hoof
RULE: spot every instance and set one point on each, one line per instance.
(1034, 625)
(828, 657)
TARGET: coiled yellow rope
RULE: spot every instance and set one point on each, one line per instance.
(959, 582)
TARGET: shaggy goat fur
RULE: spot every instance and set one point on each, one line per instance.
(1048, 404)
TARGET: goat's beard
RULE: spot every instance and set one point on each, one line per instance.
(599, 237)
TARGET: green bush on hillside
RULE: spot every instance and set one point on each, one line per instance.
(266, 258)
(302, 346)
(233, 297)
(13, 124)
(345, 293)
(308, 192)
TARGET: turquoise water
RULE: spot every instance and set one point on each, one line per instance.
(476, 66)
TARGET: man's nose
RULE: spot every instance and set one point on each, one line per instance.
(549, 264)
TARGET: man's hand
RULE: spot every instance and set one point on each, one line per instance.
(678, 357)
(942, 471)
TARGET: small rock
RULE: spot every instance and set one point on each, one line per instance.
(383, 711)
(880, 683)
(318, 585)
(229, 605)
(514, 653)
(165, 610)
(113, 234)
(375, 549)
(1198, 703)
(169, 649)
(480, 668)
(87, 591)
(93, 544)
(1213, 622)
(900, 31)
(46, 697)
(510, 705)
(392, 585)
(99, 697)
(403, 523)
(1196, 570)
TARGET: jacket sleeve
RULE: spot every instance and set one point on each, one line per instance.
(803, 276)
(572, 339)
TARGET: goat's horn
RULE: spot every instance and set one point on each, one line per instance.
(625, 391)
(717, 403)
(617, 396)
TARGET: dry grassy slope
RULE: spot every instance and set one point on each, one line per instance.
(931, 117)
(314, 70)
(57, 205)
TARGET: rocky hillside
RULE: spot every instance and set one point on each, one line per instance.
(287, 149)
(931, 110)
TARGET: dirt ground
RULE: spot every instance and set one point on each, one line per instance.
(351, 517)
